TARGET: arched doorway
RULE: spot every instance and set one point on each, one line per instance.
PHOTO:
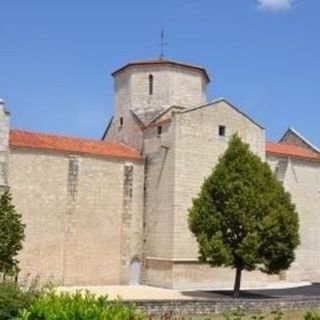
(135, 271)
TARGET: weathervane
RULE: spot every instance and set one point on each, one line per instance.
(162, 44)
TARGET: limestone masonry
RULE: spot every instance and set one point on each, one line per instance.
(115, 211)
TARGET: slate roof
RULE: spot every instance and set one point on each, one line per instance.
(52, 142)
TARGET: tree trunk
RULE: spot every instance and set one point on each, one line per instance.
(236, 290)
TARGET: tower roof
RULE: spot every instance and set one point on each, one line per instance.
(163, 61)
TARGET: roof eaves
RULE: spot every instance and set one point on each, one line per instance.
(162, 61)
(74, 152)
(203, 105)
(286, 155)
(107, 128)
(164, 112)
(14, 143)
(141, 124)
(159, 123)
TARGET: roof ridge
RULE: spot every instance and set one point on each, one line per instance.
(221, 99)
(155, 119)
(303, 138)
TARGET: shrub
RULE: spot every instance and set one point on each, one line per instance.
(13, 298)
(78, 306)
(311, 316)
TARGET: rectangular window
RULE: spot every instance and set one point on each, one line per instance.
(222, 131)
(159, 130)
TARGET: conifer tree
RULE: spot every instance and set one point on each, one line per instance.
(11, 234)
(243, 218)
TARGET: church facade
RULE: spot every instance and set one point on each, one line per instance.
(114, 211)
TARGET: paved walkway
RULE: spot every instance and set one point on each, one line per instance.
(312, 290)
(154, 293)
(134, 292)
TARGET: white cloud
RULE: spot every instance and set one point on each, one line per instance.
(275, 5)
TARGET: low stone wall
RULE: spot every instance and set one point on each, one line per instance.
(216, 306)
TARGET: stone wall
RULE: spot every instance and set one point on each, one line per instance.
(4, 145)
(129, 132)
(172, 85)
(159, 186)
(198, 148)
(132, 231)
(188, 273)
(78, 215)
(302, 179)
(178, 160)
(165, 308)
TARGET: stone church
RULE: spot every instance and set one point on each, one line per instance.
(114, 211)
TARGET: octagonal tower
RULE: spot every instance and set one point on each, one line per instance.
(145, 89)
(148, 87)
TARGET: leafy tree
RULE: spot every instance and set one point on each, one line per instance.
(11, 234)
(243, 218)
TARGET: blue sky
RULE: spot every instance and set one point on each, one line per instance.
(56, 57)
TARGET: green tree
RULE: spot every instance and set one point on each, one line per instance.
(11, 234)
(243, 218)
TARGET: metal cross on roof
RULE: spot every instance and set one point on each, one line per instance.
(162, 44)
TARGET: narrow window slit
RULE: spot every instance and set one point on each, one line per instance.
(150, 84)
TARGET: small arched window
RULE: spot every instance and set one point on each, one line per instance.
(121, 122)
(150, 84)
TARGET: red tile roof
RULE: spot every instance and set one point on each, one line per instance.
(283, 149)
(35, 140)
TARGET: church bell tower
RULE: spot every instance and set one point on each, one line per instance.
(145, 89)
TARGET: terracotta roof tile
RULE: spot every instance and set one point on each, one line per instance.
(35, 140)
(283, 149)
